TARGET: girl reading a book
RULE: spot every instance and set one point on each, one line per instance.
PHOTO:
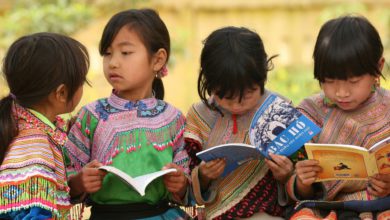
(234, 68)
(133, 129)
(45, 73)
(351, 109)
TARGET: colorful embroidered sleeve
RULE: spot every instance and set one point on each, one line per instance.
(200, 120)
(28, 185)
(199, 123)
(80, 139)
(180, 155)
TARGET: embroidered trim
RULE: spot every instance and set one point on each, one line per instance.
(104, 109)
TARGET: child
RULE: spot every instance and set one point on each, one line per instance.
(233, 72)
(133, 129)
(353, 109)
(45, 73)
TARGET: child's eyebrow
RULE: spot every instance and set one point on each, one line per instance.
(125, 43)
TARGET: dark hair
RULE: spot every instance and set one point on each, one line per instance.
(347, 46)
(149, 27)
(232, 60)
(34, 66)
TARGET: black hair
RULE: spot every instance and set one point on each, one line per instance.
(34, 66)
(233, 59)
(347, 46)
(151, 30)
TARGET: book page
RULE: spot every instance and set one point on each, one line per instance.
(138, 183)
(341, 161)
(143, 181)
(381, 155)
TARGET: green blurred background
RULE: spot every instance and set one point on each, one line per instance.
(287, 27)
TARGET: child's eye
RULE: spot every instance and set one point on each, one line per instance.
(107, 53)
(354, 80)
(126, 52)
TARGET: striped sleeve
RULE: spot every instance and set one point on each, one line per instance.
(80, 139)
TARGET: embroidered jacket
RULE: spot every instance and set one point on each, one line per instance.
(32, 175)
(136, 137)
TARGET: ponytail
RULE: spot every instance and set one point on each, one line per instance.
(8, 128)
(158, 88)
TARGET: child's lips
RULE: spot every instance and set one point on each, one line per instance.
(114, 76)
(343, 103)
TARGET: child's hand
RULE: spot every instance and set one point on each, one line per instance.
(280, 166)
(379, 185)
(175, 182)
(88, 180)
(307, 171)
(213, 169)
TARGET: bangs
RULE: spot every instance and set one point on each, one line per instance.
(233, 77)
(342, 61)
(345, 48)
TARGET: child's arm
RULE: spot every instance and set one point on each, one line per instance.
(280, 166)
(379, 185)
(307, 172)
(88, 180)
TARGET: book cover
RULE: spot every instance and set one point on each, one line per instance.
(235, 154)
(280, 128)
(340, 161)
(138, 183)
(276, 127)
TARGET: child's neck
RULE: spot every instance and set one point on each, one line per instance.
(45, 111)
(135, 96)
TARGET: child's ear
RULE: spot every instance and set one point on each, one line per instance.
(61, 93)
(159, 59)
(381, 63)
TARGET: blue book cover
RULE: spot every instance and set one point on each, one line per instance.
(235, 154)
(280, 128)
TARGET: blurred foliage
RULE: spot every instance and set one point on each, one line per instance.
(60, 16)
(295, 83)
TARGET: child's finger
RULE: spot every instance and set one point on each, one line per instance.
(280, 160)
(94, 164)
(378, 186)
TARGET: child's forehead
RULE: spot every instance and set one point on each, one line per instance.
(126, 36)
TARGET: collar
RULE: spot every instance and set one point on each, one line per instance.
(124, 104)
(35, 120)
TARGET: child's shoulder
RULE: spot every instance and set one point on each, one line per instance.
(168, 106)
(32, 147)
(384, 95)
(202, 109)
(316, 101)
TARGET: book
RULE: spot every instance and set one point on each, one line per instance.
(234, 153)
(342, 161)
(138, 183)
(276, 127)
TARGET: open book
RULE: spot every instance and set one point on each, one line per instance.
(234, 153)
(138, 183)
(340, 161)
(276, 127)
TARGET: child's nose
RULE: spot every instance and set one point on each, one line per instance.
(342, 92)
(113, 62)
